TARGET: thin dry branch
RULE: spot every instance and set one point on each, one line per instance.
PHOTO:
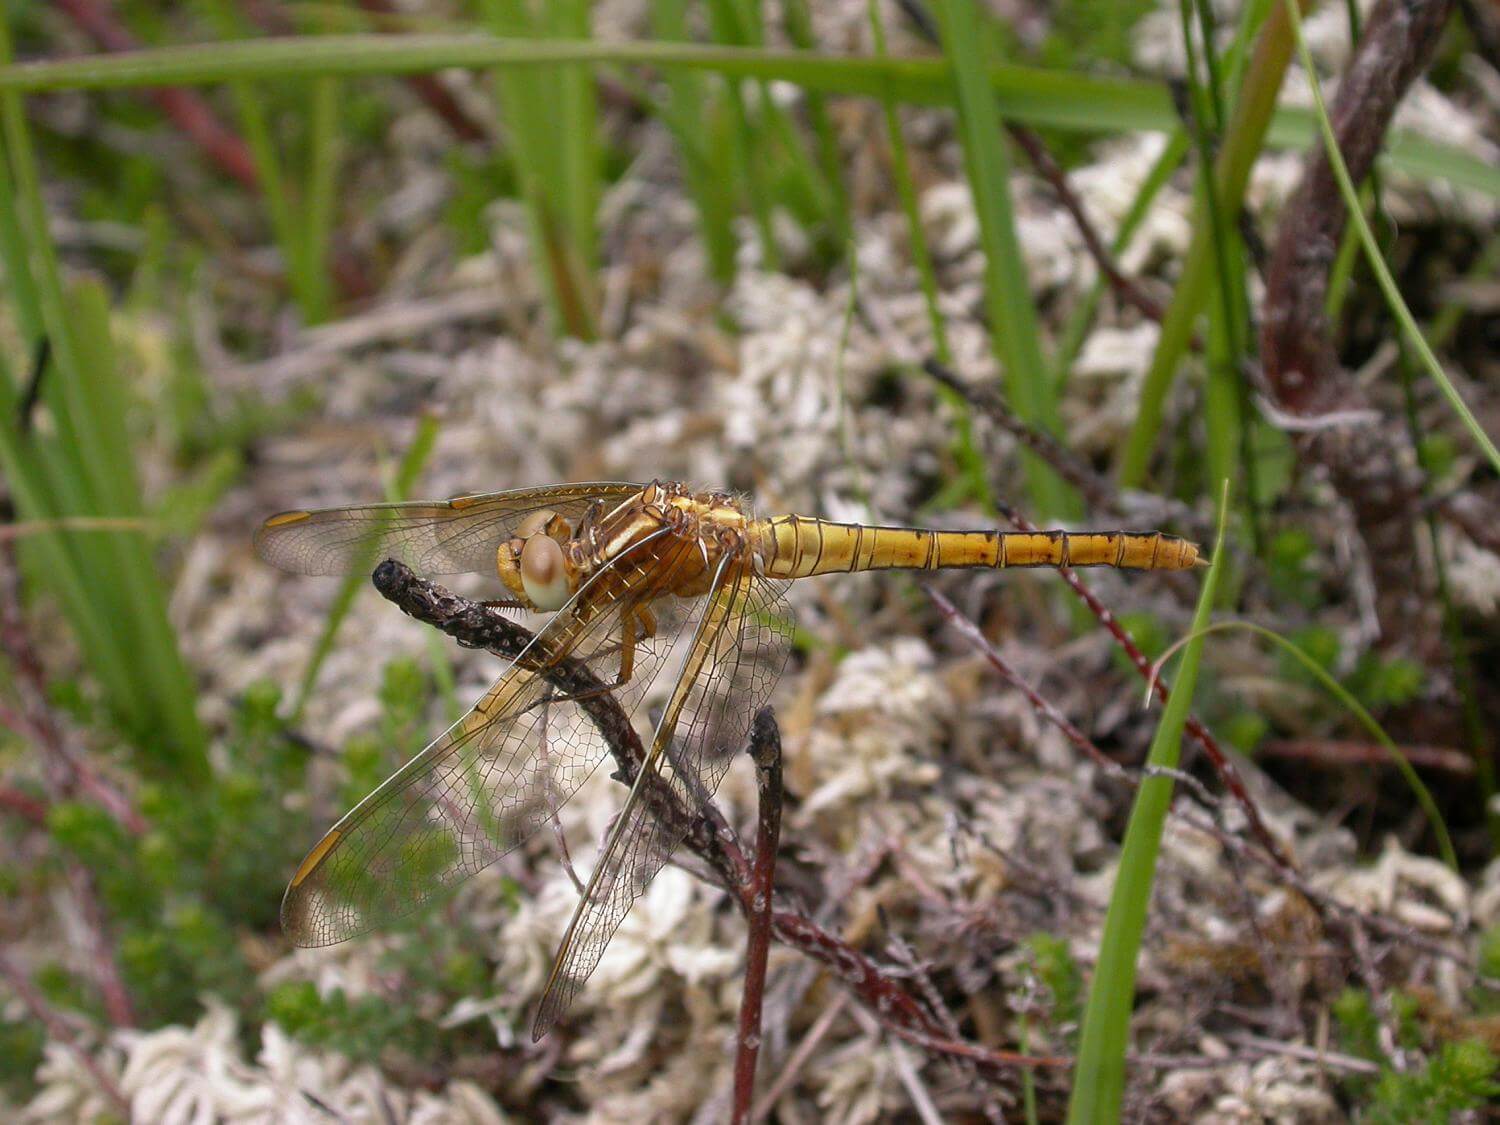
(765, 750)
(1127, 288)
(709, 835)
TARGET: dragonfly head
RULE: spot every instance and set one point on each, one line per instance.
(533, 564)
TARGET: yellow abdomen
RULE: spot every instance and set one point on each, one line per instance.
(799, 547)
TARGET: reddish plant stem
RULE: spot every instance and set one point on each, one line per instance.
(1216, 756)
(183, 108)
(59, 1030)
(765, 749)
(1068, 465)
(117, 1003)
(434, 94)
(1335, 752)
(24, 805)
(1032, 145)
(1128, 289)
(1039, 703)
(65, 772)
(193, 115)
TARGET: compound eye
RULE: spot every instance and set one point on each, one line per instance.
(544, 576)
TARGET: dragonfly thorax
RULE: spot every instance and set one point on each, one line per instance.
(546, 561)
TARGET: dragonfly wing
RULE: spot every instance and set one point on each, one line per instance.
(495, 776)
(431, 536)
(738, 650)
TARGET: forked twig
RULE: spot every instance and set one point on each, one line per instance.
(709, 835)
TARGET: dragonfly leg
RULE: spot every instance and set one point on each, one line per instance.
(629, 638)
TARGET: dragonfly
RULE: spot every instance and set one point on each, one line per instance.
(642, 581)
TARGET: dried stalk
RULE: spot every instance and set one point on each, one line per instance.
(1373, 468)
(765, 750)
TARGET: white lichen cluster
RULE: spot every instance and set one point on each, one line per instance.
(202, 1074)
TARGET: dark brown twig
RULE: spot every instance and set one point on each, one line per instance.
(1338, 753)
(1039, 703)
(1062, 460)
(765, 749)
(1128, 289)
(708, 834)
(1370, 466)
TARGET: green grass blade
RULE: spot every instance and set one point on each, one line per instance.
(799, 29)
(906, 191)
(316, 232)
(974, 475)
(410, 468)
(1243, 140)
(1099, 1076)
(83, 466)
(550, 117)
(696, 107)
(1014, 329)
(1053, 98)
(1346, 700)
(1076, 331)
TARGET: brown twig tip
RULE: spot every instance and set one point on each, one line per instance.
(765, 751)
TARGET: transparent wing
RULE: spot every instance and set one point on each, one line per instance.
(430, 536)
(738, 651)
(495, 776)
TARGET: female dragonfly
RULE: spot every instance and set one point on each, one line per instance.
(629, 573)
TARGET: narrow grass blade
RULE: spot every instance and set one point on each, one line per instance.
(1053, 98)
(550, 117)
(1014, 328)
(81, 465)
(1243, 139)
(1099, 1076)
(697, 114)
(974, 476)
(412, 463)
